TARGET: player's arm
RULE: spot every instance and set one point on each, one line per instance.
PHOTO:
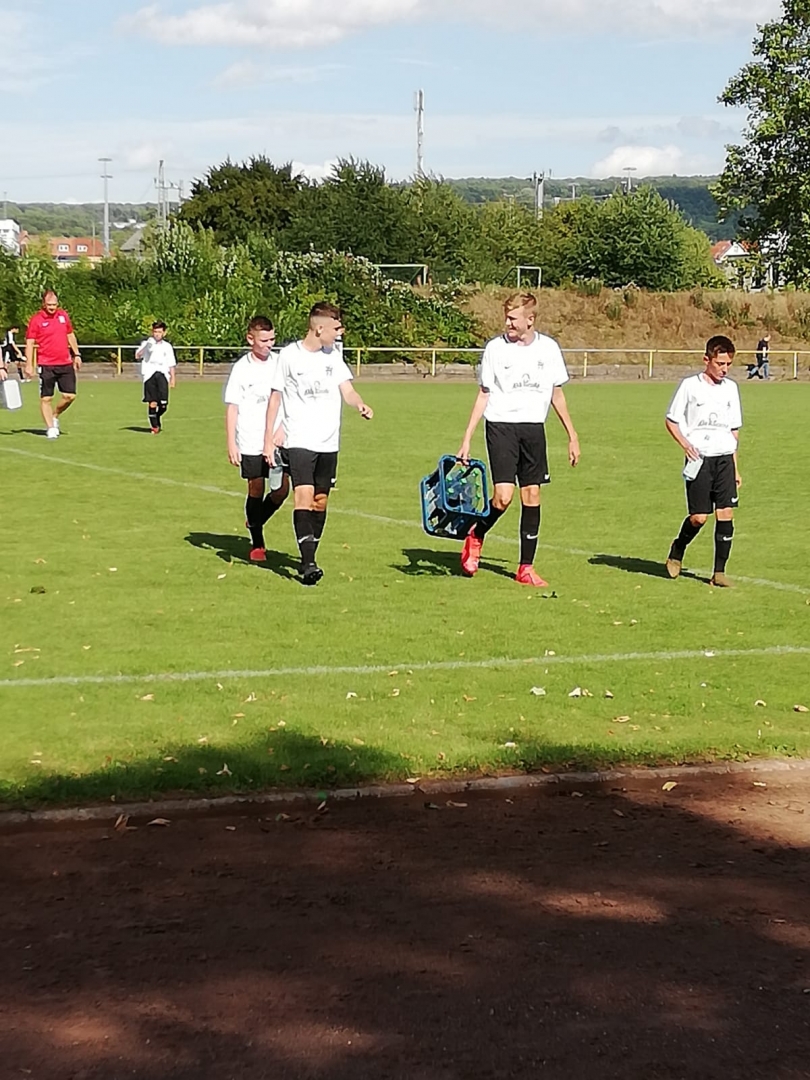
(231, 413)
(73, 345)
(141, 350)
(478, 409)
(273, 405)
(737, 477)
(172, 370)
(560, 406)
(30, 346)
(351, 397)
(674, 428)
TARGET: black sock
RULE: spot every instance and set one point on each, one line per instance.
(305, 535)
(253, 515)
(154, 418)
(162, 409)
(318, 522)
(723, 535)
(269, 508)
(529, 531)
(683, 539)
(481, 528)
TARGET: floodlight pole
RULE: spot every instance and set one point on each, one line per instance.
(419, 106)
(105, 176)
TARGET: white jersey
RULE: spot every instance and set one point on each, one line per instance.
(310, 388)
(156, 356)
(521, 379)
(707, 413)
(249, 386)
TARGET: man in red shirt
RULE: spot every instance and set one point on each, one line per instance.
(57, 356)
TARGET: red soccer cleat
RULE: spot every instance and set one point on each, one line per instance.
(526, 575)
(258, 554)
(470, 554)
(155, 430)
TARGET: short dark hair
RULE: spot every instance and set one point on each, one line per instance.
(159, 324)
(324, 310)
(259, 322)
(719, 344)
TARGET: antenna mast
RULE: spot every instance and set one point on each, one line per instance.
(419, 106)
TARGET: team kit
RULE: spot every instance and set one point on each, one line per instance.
(283, 416)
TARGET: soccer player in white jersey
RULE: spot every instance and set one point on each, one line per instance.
(158, 365)
(311, 384)
(704, 419)
(522, 376)
(247, 394)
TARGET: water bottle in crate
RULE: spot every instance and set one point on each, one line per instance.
(454, 497)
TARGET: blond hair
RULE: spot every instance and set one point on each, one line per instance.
(520, 300)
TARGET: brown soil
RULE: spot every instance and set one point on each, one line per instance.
(630, 933)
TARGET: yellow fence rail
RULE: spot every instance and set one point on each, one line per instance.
(580, 361)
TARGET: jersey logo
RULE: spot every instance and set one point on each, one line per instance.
(61, 318)
(328, 371)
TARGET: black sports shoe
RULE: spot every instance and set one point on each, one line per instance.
(311, 574)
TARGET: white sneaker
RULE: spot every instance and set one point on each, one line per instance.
(53, 432)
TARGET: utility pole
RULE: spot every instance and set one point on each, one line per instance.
(539, 180)
(160, 184)
(573, 193)
(105, 176)
(419, 107)
(629, 169)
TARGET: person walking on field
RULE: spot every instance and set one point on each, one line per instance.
(311, 384)
(158, 366)
(762, 370)
(704, 419)
(522, 376)
(50, 332)
(11, 352)
(247, 395)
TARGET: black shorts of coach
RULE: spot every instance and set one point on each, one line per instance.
(517, 452)
(156, 388)
(309, 468)
(714, 487)
(53, 375)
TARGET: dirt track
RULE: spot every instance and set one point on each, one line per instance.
(629, 933)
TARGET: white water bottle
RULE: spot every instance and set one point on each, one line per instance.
(692, 468)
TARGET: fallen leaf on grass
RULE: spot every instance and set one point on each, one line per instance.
(224, 771)
(39, 589)
(351, 694)
(760, 702)
(221, 576)
(395, 693)
(621, 719)
(18, 663)
(577, 795)
(413, 779)
(113, 569)
(358, 742)
(510, 746)
(148, 697)
(576, 692)
(538, 691)
(800, 708)
(457, 805)
(670, 785)
(467, 697)
(608, 693)
(251, 697)
(238, 715)
(618, 813)
(162, 821)
(203, 740)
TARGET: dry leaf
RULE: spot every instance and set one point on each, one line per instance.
(759, 783)
(159, 821)
(351, 694)
(760, 702)
(203, 740)
(538, 691)
(224, 771)
(608, 693)
(800, 708)
(230, 828)
(577, 795)
(413, 779)
(467, 697)
(148, 697)
(391, 673)
(510, 746)
(239, 715)
(358, 742)
(113, 569)
(670, 785)
(457, 805)
(618, 813)
(251, 697)
(586, 693)
(576, 692)
(395, 693)
(282, 723)
(170, 759)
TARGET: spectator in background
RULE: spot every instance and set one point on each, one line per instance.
(761, 370)
(11, 352)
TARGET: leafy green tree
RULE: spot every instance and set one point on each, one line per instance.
(354, 210)
(237, 200)
(767, 176)
(443, 229)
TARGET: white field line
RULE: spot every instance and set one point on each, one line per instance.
(385, 669)
(378, 518)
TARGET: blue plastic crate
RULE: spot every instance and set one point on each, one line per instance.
(454, 497)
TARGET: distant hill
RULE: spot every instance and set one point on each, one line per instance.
(689, 193)
(76, 219)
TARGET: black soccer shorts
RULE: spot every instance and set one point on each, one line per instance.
(53, 375)
(714, 487)
(156, 388)
(308, 468)
(517, 452)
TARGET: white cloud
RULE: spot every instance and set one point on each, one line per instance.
(23, 67)
(314, 23)
(649, 161)
(246, 73)
(314, 172)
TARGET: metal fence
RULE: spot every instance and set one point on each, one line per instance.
(430, 361)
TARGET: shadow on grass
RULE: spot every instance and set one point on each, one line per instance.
(231, 548)
(136, 428)
(425, 562)
(648, 567)
(40, 432)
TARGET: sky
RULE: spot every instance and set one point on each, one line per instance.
(577, 87)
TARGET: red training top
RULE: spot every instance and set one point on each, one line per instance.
(51, 335)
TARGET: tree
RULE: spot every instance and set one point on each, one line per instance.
(442, 228)
(767, 176)
(236, 200)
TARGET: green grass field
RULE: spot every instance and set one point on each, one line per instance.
(124, 555)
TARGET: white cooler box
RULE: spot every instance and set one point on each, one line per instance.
(10, 396)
